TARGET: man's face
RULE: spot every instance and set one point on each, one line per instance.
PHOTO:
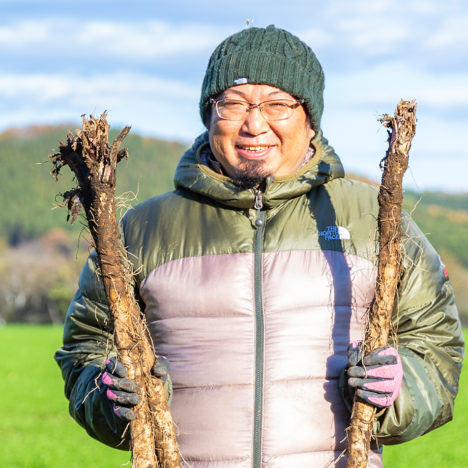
(252, 149)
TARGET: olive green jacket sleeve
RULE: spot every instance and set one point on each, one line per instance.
(87, 343)
(430, 343)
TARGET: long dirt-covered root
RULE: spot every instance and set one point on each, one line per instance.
(402, 127)
(94, 163)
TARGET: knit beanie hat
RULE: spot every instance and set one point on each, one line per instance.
(270, 56)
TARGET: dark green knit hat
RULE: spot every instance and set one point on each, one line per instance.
(270, 56)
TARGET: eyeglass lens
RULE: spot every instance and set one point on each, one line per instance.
(271, 110)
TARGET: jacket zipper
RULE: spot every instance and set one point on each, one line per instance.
(259, 333)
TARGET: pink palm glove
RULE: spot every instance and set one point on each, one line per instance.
(376, 379)
(123, 393)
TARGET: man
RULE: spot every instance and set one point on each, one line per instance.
(256, 275)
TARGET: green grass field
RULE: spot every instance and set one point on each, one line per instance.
(36, 430)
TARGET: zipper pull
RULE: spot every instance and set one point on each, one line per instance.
(258, 205)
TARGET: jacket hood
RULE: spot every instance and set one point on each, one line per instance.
(192, 174)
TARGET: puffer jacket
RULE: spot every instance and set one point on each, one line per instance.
(254, 295)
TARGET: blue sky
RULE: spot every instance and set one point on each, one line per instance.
(143, 62)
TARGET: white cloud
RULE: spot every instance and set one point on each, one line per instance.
(380, 37)
(316, 38)
(49, 87)
(389, 8)
(24, 33)
(147, 39)
(150, 104)
(135, 40)
(378, 86)
(370, 31)
(451, 31)
(426, 6)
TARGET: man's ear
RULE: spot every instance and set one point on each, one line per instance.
(311, 127)
(312, 132)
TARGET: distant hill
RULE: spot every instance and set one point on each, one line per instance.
(28, 193)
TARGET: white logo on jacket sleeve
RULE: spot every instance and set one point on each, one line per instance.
(335, 232)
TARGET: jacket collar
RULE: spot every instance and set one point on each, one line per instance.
(194, 175)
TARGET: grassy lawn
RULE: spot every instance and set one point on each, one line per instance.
(36, 430)
(445, 447)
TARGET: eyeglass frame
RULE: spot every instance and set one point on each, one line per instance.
(297, 103)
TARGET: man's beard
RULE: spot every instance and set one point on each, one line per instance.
(250, 174)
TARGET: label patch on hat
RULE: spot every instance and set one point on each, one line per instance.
(240, 81)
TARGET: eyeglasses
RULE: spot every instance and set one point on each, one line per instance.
(277, 109)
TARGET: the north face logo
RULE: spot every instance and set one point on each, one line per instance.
(335, 233)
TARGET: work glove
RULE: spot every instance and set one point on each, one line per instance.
(123, 392)
(377, 378)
